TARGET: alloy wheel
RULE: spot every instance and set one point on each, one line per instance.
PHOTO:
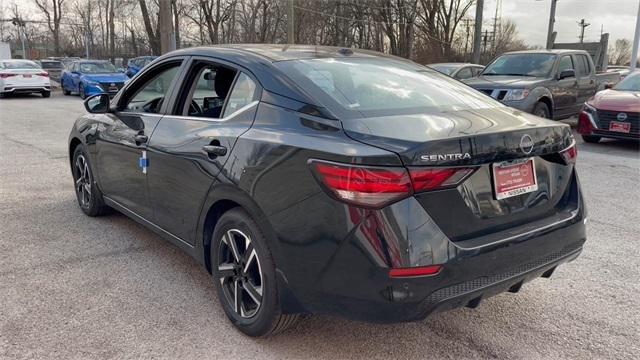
(240, 273)
(83, 181)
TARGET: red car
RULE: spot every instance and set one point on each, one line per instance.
(613, 113)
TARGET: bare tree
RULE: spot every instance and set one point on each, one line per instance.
(52, 10)
(152, 34)
(620, 53)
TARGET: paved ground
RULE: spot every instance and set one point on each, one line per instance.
(79, 287)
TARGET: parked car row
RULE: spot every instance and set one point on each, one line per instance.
(89, 77)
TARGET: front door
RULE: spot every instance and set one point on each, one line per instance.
(216, 104)
(121, 151)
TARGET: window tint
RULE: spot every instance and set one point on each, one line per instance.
(241, 95)
(566, 63)
(397, 87)
(209, 90)
(464, 73)
(149, 97)
(583, 65)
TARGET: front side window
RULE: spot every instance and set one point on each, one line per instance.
(242, 94)
(210, 87)
(566, 63)
(362, 87)
(464, 73)
(149, 97)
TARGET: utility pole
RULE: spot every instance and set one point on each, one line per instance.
(477, 34)
(552, 20)
(636, 42)
(20, 24)
(291, 39)
(466, 41)
(167, 37)
(582, 25)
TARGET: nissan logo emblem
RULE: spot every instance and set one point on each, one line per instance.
(526, 144)
(622, 116)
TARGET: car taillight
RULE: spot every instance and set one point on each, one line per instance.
(376, 187)
(437, 178)
(45, 74)
(415, 271)
(6, 75)
(570, 155)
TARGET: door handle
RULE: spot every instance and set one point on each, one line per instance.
(141, 139)
(215, 150)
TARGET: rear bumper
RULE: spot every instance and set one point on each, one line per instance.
(25, 89)
(353, 280)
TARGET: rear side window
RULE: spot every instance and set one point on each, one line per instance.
(362, 87)
(242, 94)
(584, 67)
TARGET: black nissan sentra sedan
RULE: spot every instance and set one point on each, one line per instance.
(326, 180)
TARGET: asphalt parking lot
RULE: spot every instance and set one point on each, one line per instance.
(78, 287)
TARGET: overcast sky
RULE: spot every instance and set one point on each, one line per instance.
(532, 18)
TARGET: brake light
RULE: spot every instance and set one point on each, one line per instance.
(6, 75)
(45, 74)
(375, 187)
(570, 155)
(437, 178)
(415, 271)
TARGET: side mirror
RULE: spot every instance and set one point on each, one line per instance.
(608, 86)
(97, 104)
(567, 74)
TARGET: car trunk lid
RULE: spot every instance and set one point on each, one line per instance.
(482, 139)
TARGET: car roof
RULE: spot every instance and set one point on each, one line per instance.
(282, 52)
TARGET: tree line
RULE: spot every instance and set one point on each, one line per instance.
(423, 30)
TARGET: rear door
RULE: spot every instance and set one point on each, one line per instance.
(121, 151)
(586, 79)
(217, 102)
(566, 92)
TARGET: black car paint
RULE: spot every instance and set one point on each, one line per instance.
(332, 257)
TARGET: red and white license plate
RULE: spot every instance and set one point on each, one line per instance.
(617, 126)
(514, 177)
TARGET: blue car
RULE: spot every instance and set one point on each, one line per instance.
(136, 64)
(89, 77)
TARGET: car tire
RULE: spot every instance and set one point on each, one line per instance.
(3, 95)
(65, 91)
(86, 188)
(542, 110)
(46, 94)
(245, 277)
(81, 91)
(592, 139)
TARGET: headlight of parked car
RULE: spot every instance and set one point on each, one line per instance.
(516, 94)
(92, 83)
(588, 108)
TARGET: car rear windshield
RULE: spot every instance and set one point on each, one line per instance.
(97, 68)
(630, 83)
(51, 65)
(538, 65)
(24, 64)
(363, 87)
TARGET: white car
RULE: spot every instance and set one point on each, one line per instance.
(23, 76)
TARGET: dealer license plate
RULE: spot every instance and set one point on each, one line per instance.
(514, 177)
(617, 126)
